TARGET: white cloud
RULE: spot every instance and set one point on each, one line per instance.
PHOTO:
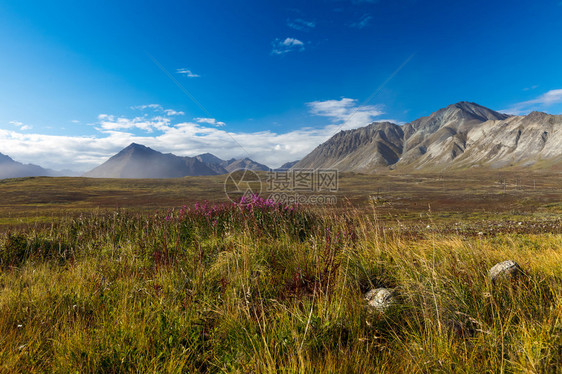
(202, 135)
(549, 98)
(363, 22)
(210, 121)
(301, 24)
(21, 125)
(346, 112)
(280, 47)
(112, 123)
(188, 73)
(158, 108)
(171, 112)
(148, 106)
(184, 139)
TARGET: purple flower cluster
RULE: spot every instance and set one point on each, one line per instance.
(247, 205)
(207, 210)
(258, 202)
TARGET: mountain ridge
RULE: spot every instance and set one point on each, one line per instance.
(140, 161)
(9, 168)
(456, 136)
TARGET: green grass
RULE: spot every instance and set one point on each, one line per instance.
(269, 289)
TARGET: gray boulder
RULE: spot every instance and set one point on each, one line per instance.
(380, 299)
(505, 270)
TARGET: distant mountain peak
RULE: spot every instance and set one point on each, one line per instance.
(13, 169)
(209, 158)
(537, 115)
(244, 163)
(4, 158)
(466, 104)
(137, 146)
(471, 111)
(140, 161)
(135, 149)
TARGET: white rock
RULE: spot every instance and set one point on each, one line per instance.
(380, 298)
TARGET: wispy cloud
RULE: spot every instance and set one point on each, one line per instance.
(158, 108)
(187, 72)
(363, 22)
(147, 106)
(171, 112)
(301, 24)
(109, 123)
(21, 125)
(210, 121)
(549, 98)
(346, 112)
(281, 47)
(534, 87)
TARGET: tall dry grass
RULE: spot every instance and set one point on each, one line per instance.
(267, 288)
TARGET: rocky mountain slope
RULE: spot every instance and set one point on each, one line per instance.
(441, 137)
(362, 150)
(461, 135)
(534, 139)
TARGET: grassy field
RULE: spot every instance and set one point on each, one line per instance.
(465, 195)
(142, 276)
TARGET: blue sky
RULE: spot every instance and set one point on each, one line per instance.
(265, 79)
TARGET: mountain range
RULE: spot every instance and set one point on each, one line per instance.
(139, 161)
(13, 169)
(462, 135)
(224, 167)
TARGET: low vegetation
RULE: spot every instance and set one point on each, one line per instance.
(263, 287)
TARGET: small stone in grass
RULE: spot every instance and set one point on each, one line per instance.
(505, 270)
(380, 298)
